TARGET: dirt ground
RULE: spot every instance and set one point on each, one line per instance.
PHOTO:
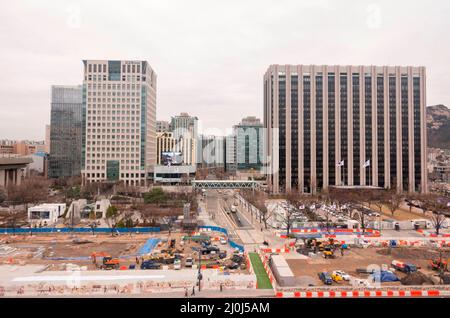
(401, 214)
(358, 258)
(57, 251)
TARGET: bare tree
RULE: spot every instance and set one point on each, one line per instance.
(393, 200)
(438, 220)
(439, 207)
(31, 191)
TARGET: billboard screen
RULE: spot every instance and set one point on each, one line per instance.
(172, 158)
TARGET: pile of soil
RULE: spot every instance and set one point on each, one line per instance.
(416, 278)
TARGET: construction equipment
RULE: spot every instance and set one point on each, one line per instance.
(328, 251)
(404, 267)
(110, 263)
(438, 264)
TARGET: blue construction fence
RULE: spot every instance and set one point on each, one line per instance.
(100, 230)
(224, 231)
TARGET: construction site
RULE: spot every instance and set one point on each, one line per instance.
(128, 263)
(328, 265)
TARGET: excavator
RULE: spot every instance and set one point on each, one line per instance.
(328, 251)
(108, 262)
(438, 264)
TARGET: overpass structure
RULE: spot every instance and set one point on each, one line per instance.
(227, 184)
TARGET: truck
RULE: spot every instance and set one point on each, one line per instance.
(233, 209)
(404, 267)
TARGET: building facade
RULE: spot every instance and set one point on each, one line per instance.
(65, 131)
(211, 151)
(119, 112)
(162, 126)
(345, 125)
(230, 153)
(184, 124)
(249, 143)
(167, 143)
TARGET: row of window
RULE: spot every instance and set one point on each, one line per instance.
(113, 100)
(122, 87)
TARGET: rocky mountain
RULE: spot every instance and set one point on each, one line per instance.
(438, 126)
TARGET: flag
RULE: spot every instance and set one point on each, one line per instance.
(366, 164)
(340, 163)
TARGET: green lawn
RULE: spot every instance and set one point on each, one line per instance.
(261, 275)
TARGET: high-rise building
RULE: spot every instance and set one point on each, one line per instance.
(230, 153)
(166, 143)
(65, 131)
(47, 138)
(249, 143)
(211, 151)
(162, 126)
(119, 111)
(184, 124)
(345, 126)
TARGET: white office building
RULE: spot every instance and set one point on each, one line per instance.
(119, 112)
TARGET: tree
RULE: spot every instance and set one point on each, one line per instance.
(2, 196)
(31, 191)
(111, 216)
(439, 207)
(393, 200)
(438, 220)
(156, 195)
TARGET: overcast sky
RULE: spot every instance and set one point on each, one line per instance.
(210, 56)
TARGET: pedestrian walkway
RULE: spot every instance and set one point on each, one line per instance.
(263, 280)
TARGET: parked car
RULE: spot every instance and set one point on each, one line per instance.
(177, 264)
(189, 262)
(338, 276)
(223, 241)
(325, 278)
(150, 265)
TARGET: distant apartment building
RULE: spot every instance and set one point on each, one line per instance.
(249, 143)
(22, 147)
(162, 126)
(66, 130)
(119, 112)
(7, 146)
(345, 125)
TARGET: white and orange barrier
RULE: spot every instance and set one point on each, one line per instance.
(359, 294)
(265, 261)
(430, 234)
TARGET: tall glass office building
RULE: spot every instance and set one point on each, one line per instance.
(65, 131)
(357, 126)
